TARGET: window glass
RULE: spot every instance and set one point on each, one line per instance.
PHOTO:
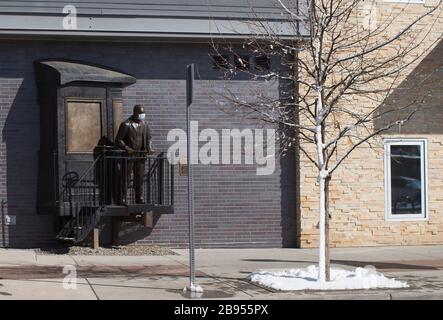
(406, 180)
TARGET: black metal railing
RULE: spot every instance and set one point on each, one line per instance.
(110, 181)
(121, 186)
(80, 199)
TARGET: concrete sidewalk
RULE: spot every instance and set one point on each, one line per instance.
(24, 274)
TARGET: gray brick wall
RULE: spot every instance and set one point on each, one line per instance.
(234, 207)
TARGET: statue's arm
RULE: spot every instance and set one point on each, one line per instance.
(119, 139)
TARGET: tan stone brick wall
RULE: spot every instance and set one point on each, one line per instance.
(357, 195)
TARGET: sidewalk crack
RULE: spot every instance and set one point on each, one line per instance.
(92, 288)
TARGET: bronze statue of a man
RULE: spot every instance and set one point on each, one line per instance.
(134, 137)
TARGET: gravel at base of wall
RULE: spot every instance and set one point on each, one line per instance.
(130, 250)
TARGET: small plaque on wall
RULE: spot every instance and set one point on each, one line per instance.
(183, 167)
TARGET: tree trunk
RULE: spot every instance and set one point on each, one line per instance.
(322, 231)
(322, 177)
(324, 268)
(327, 249)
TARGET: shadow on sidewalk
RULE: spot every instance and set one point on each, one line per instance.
(51, 272)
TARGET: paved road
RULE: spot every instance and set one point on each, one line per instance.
(24, 274)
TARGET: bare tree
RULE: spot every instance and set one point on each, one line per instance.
(341, 60)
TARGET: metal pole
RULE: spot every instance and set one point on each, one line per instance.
(189, 98)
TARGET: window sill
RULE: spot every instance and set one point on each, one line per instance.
(406, 219)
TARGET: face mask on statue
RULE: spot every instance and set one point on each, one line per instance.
(142, 116)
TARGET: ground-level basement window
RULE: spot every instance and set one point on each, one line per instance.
(405, 179)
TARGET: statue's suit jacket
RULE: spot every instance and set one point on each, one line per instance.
(135, 135)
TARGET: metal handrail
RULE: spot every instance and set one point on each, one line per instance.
(80, 179)
(157, 179)
(85, 201)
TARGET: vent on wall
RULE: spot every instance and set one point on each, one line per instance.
(242, 62)
(220, 62)
(262, 62)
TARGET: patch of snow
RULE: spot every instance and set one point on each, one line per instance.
(306, 279)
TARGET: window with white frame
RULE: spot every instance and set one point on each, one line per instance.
(405, 179)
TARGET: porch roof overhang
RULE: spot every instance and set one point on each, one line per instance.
(75, 71)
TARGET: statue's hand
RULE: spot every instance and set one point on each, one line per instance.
(151, 152)
(130, 150)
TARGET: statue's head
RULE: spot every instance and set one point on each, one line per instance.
(139, 112)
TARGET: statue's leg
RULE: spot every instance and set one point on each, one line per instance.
(117, 180)
(127, 169)
(139, 172)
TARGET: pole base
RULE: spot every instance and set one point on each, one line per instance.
(195, 290)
